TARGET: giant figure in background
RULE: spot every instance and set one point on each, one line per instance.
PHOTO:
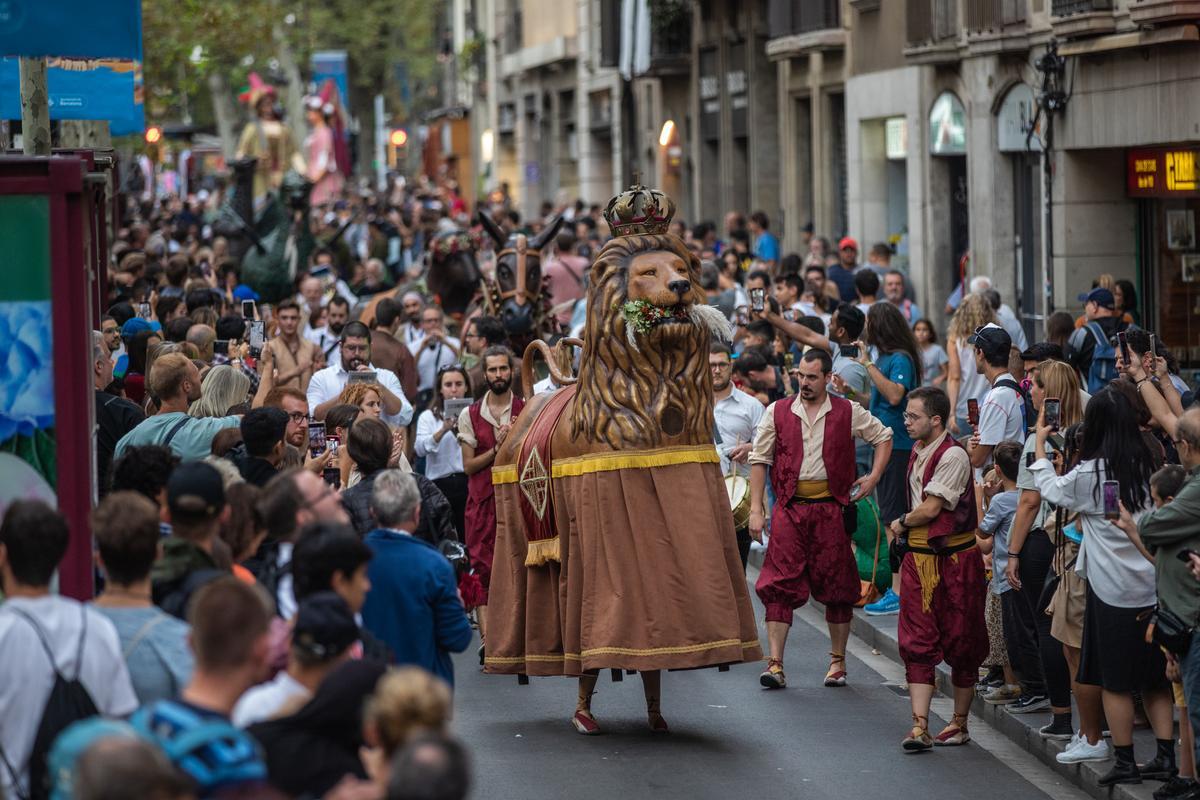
(615, 545)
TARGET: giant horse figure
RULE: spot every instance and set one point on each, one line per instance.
(615, 546)
(515, 294)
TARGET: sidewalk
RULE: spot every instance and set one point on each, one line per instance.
(880, 634)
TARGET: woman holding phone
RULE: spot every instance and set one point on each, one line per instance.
(1115, 464)
(438, 445)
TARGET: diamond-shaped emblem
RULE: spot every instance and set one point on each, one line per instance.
(535, 483)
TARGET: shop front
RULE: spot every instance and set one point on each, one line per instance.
(1165, 183)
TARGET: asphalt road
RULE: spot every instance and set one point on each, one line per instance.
(729, 739)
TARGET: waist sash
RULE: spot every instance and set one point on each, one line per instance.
(813, 492)
(925, 558)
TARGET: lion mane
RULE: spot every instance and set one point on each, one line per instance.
(634, 397)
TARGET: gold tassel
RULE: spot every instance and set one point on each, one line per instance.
(927, 571)
(542, 551)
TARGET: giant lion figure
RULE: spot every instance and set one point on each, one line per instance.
(615, 545)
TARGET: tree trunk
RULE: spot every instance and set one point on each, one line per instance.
(224, 111)
(294, 94)
(35, 107)
(79, 134)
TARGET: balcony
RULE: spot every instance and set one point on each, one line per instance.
(800, 26)
(1159, 12)
(932, 31)
(1071, 18)
(996, 26)
(670, 40)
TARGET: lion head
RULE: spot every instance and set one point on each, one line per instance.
(644, 380)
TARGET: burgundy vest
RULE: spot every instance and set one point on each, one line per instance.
(837, 451)
(479, 485)
(963, 517)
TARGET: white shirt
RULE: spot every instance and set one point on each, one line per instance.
(545, 385)
(432, 358)
(1001, 415)
(328, 383)
(266, 700)
(737, 418)
(26, 676)
(411, 334)
(442, 458)
(1114, 568)
(323, 339)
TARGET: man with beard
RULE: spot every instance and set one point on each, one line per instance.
(482, 428)
(355, 350)
(327, 337)
(737, 415)
(808, 442)
(294, 403)
(436, 349)
(941, 607)
(296, 358)
(175, 381)
(411, 332)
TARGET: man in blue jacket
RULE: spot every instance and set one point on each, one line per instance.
(413, 605)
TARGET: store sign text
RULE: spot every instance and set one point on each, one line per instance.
(1162, 173)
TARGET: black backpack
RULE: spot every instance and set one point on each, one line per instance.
(68, 702)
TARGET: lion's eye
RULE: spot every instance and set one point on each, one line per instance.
(650, 273)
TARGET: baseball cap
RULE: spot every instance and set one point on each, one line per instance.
(847, 242)
(1100, 296)
(244, 292)
(134, 326)
(1043, 351)
(324, 626)
(73, 742)
(991, 338)
(195, 489)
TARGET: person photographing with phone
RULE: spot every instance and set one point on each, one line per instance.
(327, 384)
(808, 441)
(1115, 467)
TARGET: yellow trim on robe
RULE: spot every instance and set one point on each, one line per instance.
(624, 651)
(608, 462)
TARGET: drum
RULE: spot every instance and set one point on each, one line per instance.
(739, 500)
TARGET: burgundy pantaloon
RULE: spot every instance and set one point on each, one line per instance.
(808, 553)
(953, 629)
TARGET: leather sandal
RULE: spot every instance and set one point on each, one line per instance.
(657, 723)
(835, 676)
(918, 739)
(773, 677)
(955, 734)
(585, 724)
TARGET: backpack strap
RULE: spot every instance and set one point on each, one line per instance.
(142, 633)
(174, 430)
(41, 638)
(82, 639)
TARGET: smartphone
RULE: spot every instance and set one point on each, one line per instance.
(332, 476)
(1052, 409)
(363, 377)
(789, 315)
(743, 318)
(144, 310)
(1123, 343)
(1030, 457)
(248, 309)
(316, 438)
(257, 337)
(849, 350)
(332, 442)
(221, 347)
(758, 299)
(1185, 554)
(973, 412)
(1112, 500)
(452, 408)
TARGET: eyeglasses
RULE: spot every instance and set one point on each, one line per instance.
(910, 417)
(297, 416)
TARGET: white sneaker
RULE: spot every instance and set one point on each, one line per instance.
(1080, 750)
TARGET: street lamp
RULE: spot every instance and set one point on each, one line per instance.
(487, 145)
(667, 132)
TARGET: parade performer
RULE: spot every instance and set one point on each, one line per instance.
(614, 538)
(941, 574)
(265, 138)
(321, 156)
(482, 428)
(808, 441)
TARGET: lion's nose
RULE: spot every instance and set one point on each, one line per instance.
(680, 287)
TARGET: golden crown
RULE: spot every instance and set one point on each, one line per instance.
(639, 210)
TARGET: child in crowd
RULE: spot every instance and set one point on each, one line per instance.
(934, 361)
(999, 496)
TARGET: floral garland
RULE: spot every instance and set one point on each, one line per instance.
(644, 315)
(452, 244)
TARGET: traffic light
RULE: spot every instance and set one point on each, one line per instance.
(397, 140)
(154, 137)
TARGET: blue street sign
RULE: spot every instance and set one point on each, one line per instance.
(105, 90)
(73, 28)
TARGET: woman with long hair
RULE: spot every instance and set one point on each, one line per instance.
(1125, 300)
(222, 388)
(1059, 328)
(437, 444)
(1120, 582)
(369, 398)
(966, 383)
(1042, 575)
(895, 372)
(338, 421)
